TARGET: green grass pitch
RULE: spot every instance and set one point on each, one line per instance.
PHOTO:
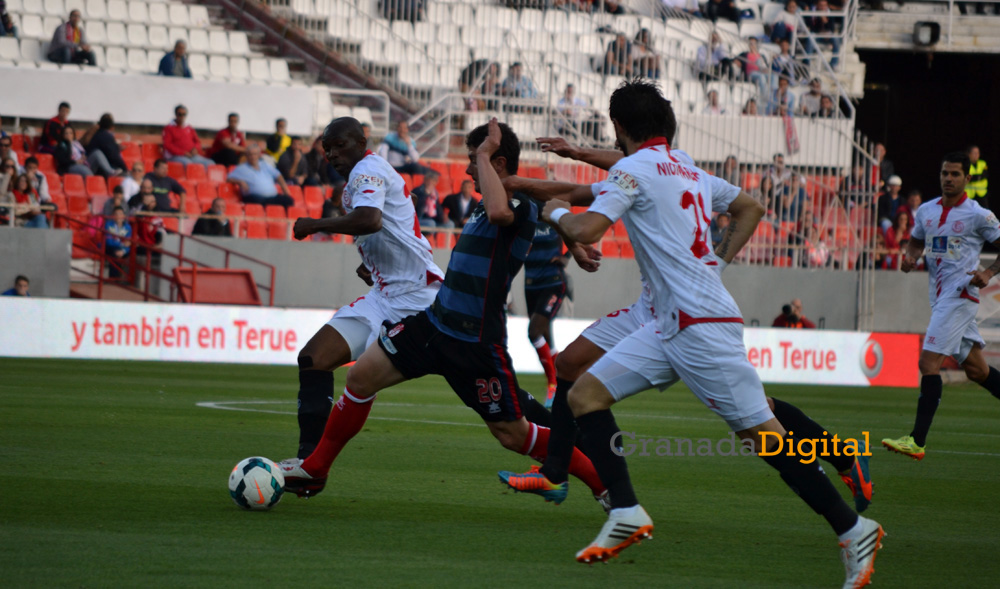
(115, 476)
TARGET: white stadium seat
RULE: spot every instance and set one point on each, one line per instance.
(218, 66)
(362, 114)
(198, 64)
(32, 7)
(425, 32)
(137, 61)
(556, 21)
(279, 71)
(137, 36)
(153, 61)
(438, 13)
(137, 12)
(158, 38)
(96, 33)
(55, 8)
(532, 20)
(15, 6)
(117, 10)
(239, 69)
(159, 14)
(115, 58)
(179, 14)
(97, 9)
(31, 27)
(751, 29)
(462, 14)
(218, 42)
(372, 51)
(259, 69)
(198, 40)
(340, 111)
(238, 43)
(176, 34)
(49, 26)
(402, 29)
(199, 16)
(10, 49)
(31, 50)
(116, 34)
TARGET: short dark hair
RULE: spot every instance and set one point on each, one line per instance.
(158, 162)
(432, 174)
(641, 111)
(106, 122)
(510, 148)
(118, 190)
(116, 209)
(958, 157)
(279, 121)
(777, 155)
(178, 107)
(30, 160)
(64, 105)
(21, 277)
(786, 309)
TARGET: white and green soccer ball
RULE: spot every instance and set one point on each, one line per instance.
(256, 483)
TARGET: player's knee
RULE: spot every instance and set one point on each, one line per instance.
(509, 440)
(976, 373)
(567, 365)
(357, 382)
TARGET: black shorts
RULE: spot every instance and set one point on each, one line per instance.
(481, 374)
(545, 301)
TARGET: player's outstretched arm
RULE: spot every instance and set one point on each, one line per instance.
(495, 202)
(578, 195)
(981, 278)
(599, 158)
(586, 228)
(746, 214)
(914, 249)
(360, 221)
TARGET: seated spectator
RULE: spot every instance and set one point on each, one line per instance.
(230, 144)
(52, 132)
(779, 174)
(896, 234)
(618, 57)
(214, 223)
(400, 150)
(20, 288)
(181, 142)
(103, 153)
(826, 25)
(788, 207)
(713, 60)
(815, 249)
(798, 310)
(718, 228)
(117, 240)
(753, 66)
(713, 107)
(781, 96)
(854, 187)
(764, 194)
(8, 171)
(570, 108)
(70, 156)
(161, 185)
(320, 171)
(25, 205)
(889, 202)
(492, 84)
(37, 179)
(117, 200)
(784, 65)
(913, 201)
(175, 63)
(680, 8)
(459, 206)
(426, 200)
(792, 317)
(256, 179)
(149, 229)
(7, 153)
(826, 108)
(730, 171)
(279, 141)
(293, 166)
(645, 61)
(518, 85)
(130, 184)
(7, 26)
(69, 43)
(716, 9)
(809, 103)
(786, 23)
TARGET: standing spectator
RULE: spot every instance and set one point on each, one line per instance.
(730, 171)
(826, 110)
(570, 108)
(809, 103)
(853, 187)
(117, 200)
(256, 179)
(883, 167)
(52, 132)
(913, 201)
(789, 206)
(786, 23)
(279, 141)
(70, 156)
(754, 66)
(175, 63)
(517, 85)
(781, 97)
(750, 108)
(117, 241)
(20, 288)
(26, 206)
(69, 43)
(825, 24)
(427, 200)
(889, 202)
(130, 184)
(293, 166)
(897, 234)
(618, 57)
(979, 178)
(779, 174)
(716, 9)
(713, 60)
(230, 144)
(214, 223)
(713, 107)
(718, 228)
(37, 179)
(646, 63)
(161, 185)
(459, 206)
(181, 142)
(103, 151)
(400, 150)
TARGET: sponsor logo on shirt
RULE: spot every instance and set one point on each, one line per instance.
(991, 220)
(362, 179)
(624, 181)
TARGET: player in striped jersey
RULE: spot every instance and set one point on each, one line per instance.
(544, 291)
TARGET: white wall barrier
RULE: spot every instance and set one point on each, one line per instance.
(112, 330)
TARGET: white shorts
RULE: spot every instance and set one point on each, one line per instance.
(709, 357)
(606, 332)
(953, 329)
(360, 321)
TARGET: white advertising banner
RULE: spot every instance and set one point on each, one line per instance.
(114, 330)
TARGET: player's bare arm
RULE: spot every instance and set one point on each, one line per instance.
(586, 228)
(360, 221)
(599, 158)
(981, 278)
(495, 199)
(578, 195)
(914, 249)
(746, 213)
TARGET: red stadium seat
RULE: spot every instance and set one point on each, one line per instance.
(54, 181)
(296, 212)
(114, 181)
(17, 143)
(175, 170)
(627, 251)
(191, 206)
(78, 205)
(296, 193)
(216, 173)
(277, 230)
(783, 262)
(130, 149)
(254, 211)
(206, 192)
(313, 196)
(73, 185)
(151, 151)
(408, 182)
(256, 229)
(172, 224)
(46, 163)
(234, 209)
(439, 166)
(457, 170)
(275, 211)
(96, 186)
(229, 192)
(315, 211)
(189, 186)
(196, 173)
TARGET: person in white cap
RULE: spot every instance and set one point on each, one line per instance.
(889, 202)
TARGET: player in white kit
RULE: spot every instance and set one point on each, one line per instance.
(949, 232)
(396, 263)
(696, 335)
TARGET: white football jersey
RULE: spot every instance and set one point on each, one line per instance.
(953, 238)
(398, 256)
(665, 204)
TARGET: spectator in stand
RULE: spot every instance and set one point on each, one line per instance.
(400, 150)
(427, 202)
(518, 85)
(979, 177)
(680, 9)
(716, 9)
(7, 27)
(810, 102)
(825, 24)
(149, 229)
(130, 184)
(117, 241)
(70, 156)
(103, 151)
(750, 108)
(492, 86)
(789, 206)
(256, 178)
(753, 66)
(781, 96)
(20, 289)
(69, 43)
(7, 153)
(37, 179)
(52, 132)
(784, 65)
(815, 249)
(730, 171)
(854, 187)
(913, 201)
(320, 171)
(645, 61)
(181, 142)
(8, 171)
(713, 61)
(764, 194)
(293, 166)
(718, 228)
(175, 63)
(26, 206)
(570, 107)
(459, 206)
(117, 200)
(161, 185)
(826, 109)
(214, 222)
(800, 311)
(779, 174)
(897, 233)
(889, 202)
(618, 57)
(786, 23)
(230, 144)
(792, 317)
(883, 168)
(278, 142)
(713, 107)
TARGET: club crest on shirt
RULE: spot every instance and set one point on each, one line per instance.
(958, 226)
(395, 330)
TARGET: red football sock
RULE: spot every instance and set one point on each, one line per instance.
(536, 445)
(547, 359)
(346, 420)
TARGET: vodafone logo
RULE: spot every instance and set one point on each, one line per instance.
(872, 358)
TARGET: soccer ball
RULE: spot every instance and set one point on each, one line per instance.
(256, 483)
